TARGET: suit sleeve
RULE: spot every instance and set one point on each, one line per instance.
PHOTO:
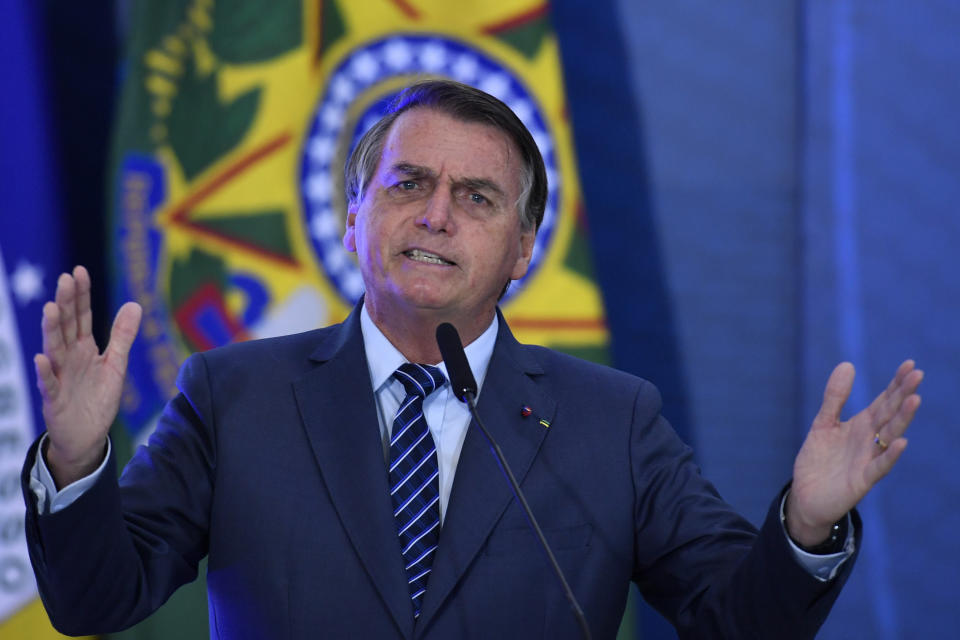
(121, 549)
(703, 566)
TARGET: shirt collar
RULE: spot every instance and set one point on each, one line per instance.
(383, 358)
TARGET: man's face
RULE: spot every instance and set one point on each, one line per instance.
(437, 227)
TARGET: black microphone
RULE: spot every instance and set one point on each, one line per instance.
(451, 350)
(465, 388)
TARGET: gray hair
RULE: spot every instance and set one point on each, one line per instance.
(466, 104)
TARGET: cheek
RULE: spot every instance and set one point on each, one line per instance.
(363, 235)
(370, 243)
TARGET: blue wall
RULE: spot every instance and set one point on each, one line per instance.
(803, 179)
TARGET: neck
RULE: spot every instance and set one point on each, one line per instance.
(415, 334)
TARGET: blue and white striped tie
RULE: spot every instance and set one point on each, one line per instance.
(414, 473)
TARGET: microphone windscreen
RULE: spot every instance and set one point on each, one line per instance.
(451, 349)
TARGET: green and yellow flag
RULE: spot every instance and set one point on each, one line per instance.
(235, 123)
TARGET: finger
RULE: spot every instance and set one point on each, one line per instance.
(890, 402)
(84, 315)
(66, 298)
(47, 382)
(905, 367)
(882, 464)
(52, 335)
(902, 419)
(902, 371)
(124, 331)
(837, 391)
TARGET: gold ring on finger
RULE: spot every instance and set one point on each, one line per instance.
(880, 442)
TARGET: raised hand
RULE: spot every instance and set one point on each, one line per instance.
(841, 461)
(80, 386)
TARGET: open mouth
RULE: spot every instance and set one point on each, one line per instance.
(420, 255)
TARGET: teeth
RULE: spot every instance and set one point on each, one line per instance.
(423, 256)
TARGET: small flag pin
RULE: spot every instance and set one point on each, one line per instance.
(525, 411)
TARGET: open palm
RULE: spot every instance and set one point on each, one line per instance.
(80, 386)
(840, 461)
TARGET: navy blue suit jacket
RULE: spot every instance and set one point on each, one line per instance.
(270, 462)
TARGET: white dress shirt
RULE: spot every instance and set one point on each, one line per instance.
(447, 417)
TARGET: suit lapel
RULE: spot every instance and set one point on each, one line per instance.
(341, 425)
(481, 492)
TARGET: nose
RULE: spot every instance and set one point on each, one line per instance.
(438, 214)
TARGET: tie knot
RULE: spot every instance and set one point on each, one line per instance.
(419, 379)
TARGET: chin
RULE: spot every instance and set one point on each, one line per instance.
(429, 302)
(430, 294)
(420, 298)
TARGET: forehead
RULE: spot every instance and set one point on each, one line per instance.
(435, 140)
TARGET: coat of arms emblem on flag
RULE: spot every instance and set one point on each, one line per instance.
(235, 124)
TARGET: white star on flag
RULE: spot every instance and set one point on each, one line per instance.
(27, 282)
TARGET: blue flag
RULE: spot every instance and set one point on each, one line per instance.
(31, 257)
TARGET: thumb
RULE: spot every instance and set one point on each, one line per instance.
(124, 330)
(837, 392)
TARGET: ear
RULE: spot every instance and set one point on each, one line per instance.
(349, 238)
(526, 252)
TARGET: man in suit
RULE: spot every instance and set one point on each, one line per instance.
(270, 460)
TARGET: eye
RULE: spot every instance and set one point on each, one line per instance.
(407, 185)
(476, 198)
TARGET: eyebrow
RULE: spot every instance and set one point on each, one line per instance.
(482, 184)
(418, 171)
(412, 170)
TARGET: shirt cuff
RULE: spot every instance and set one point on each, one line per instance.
(44, 489)
(821, 567)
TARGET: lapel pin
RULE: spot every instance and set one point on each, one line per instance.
(525, 411)
(544, 423)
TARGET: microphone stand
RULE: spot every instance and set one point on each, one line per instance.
(470, 398)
